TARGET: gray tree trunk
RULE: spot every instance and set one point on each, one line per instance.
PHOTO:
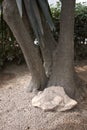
(62, 62)
(49, 47)
(33, 60)
(63, 67)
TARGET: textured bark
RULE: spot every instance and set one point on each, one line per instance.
(63, 67)
(48, 40)
(13, 19)
(49, 46)
(61, 63)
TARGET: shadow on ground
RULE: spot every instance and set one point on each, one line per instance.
(17, 113)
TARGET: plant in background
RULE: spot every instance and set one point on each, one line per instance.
(55, 10)
(9, 48)
(80, 30)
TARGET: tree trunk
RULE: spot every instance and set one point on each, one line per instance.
(63, 67)
(49, 47)
(62, 62)
(33, 60)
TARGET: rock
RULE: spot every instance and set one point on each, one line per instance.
(53, 98)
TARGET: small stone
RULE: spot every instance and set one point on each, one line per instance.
(28, 128)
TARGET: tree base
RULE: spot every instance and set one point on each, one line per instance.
(81, 90)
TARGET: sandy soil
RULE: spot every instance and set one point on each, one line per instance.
(17, 113)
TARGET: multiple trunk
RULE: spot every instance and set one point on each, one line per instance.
(13, 19)
(58, 64)
(49, 46)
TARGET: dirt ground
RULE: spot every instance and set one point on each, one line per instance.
(17, 113)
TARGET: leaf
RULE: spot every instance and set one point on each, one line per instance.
(37, 14)
(46, 11)
(19, 5)
(32, 9)
(34, 17)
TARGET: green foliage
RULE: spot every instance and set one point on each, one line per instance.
(56, 17)
(80, 31)
(81, 21)
(56, 11)
(1, 1)
(9, 48)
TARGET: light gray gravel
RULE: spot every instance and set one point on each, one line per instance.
(17, 113)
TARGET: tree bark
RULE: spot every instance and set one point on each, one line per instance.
(48, 40)
(61, 62)
(33, 60)
(49, 47)
(63, 67)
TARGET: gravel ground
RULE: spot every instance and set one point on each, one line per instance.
(17, 113)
